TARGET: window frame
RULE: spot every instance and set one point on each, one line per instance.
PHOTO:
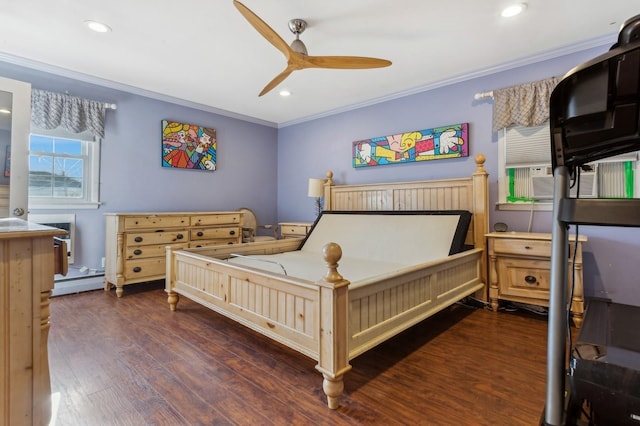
(90, 173)
(546, 204)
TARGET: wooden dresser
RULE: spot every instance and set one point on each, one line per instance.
(27, 266)
(519, 270)
(294, 229)
(135, 242)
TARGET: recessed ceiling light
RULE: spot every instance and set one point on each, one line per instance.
(5, 111)
(98, 27)
(513, 10)
(285, 93)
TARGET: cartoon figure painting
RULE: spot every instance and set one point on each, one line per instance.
(187, 146)
(422, 145)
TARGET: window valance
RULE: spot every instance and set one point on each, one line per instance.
(524, 105)
(51, 110)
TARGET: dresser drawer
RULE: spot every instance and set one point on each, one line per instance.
(143, 252)
(524, 278)
(144, 268)
(215, 219)
(156, 222)
(216, 242)
(522, 247)
(215, 233)
(152, 238)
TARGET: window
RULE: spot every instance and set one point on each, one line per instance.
(64, 170)
(526, 176)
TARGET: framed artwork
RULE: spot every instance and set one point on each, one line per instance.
(410, 147)
(188, 146)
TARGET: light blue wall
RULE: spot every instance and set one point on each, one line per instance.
(310, 149)
(132, 178)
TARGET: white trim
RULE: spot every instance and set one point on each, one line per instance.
(521, 205)
(78, 284)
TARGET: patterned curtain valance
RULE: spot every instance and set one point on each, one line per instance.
(51, 110)
(525, 105)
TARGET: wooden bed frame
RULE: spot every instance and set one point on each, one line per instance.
(326, 320)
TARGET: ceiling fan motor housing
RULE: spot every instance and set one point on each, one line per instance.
(297, 26)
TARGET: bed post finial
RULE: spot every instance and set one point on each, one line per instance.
(332, 253)
(480, 159)
(329, 178)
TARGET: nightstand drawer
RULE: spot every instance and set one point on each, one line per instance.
(524, 277)
(523, 247)
(520, 270)
(295, 230)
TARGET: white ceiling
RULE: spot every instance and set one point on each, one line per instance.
(205, 52)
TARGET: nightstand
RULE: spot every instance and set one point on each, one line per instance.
(294, 229)
(519, 270)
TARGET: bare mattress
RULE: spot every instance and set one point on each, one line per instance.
(373, 244)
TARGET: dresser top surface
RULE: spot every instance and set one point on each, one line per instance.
(169, 213)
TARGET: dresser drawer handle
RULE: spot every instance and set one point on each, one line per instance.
(530, 279)
(137, 269)
(527, 247)
(232, 232)
(137, 252)
(179, 236)
(138, 239)
(200, 233)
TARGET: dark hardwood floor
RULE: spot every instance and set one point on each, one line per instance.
(131, 361)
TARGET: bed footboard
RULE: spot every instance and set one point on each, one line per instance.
(309, 317)
(329, 320)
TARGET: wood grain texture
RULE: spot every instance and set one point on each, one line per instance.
(117, 361)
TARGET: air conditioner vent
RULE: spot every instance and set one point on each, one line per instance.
(542, 185)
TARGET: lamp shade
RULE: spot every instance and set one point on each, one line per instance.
(316, 188)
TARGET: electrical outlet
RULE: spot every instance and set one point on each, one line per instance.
(103, 262)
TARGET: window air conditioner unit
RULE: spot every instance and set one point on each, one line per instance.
(542, 184)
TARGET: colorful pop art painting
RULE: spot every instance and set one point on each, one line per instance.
(421, 145)
(188, 146)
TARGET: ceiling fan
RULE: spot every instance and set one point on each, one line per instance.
(296, 54)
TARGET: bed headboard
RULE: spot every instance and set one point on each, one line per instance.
(468, 193)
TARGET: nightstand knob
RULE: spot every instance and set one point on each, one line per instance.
(530, 279)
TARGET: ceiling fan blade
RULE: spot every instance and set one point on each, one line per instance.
(265, 30)
(345, 62)
(279, 79)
